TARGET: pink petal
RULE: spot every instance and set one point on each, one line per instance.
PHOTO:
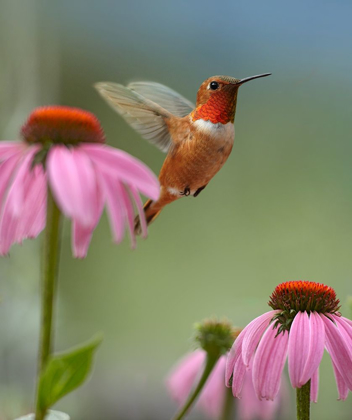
(345, 327)
(314, 386)
(249, 407)
(306, 347)
(212, 397)
(13, 205)
(129, 215)
(338, 349)
(81, 237)
(182, 378)
(298, 348)
(239, 371)
(141, 214)
(115, 205)
(235, 369)
(316, 347)
(234, 355)
(236, 349)
(11, 148)
(73, 182)
(125, 168)
(269, 361)
(342, 388)
(349, 322)
(33, 217)
(7, 171)
(254, 331)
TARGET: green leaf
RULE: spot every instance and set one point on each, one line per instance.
(65, 372)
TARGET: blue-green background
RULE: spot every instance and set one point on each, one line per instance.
(280, 209)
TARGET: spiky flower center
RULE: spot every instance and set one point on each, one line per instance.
(215, 337)
(304, 296)
(301, 296)
(61, 124)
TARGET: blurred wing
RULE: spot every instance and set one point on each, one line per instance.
(164, 96)
(144, 115)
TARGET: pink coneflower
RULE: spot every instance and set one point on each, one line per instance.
(304, 320)
(63, 148)
(183, 379)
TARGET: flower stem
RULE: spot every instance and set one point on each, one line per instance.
(209, 365)
(303, 402)
(50, 259)
(228, 406)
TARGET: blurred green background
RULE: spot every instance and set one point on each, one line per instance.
(280, 209)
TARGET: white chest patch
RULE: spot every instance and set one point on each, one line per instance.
(225, 131)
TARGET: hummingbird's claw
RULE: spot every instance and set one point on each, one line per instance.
(186, 192)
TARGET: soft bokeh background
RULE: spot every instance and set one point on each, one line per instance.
(280, 209)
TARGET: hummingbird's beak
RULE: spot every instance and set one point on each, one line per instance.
(247, 79)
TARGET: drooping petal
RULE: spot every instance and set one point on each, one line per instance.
(345, 328)
(316, 347)
(234, 355)
(39, 222)
(338, 349)
(342, 388)
(306, 347)
(249, 407)
(314, 386)
(141, 214)
(239, 371)
(269, 361)
(7, 172)
(236, 349)
(212, 397)
(254, 331)
(115, 206)
(13, 205)
(81, 237)
(125, 168)
(11, 148)
(348, 321)
(298, 347)
(33, 218)
(73, 182)
(183, 376)
(129, 215)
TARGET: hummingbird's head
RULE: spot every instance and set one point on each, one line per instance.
(217, 97)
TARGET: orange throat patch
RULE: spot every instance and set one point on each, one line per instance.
(220, 108)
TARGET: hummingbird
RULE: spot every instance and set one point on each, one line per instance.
(198, 139)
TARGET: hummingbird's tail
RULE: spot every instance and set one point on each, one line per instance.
(152, 210)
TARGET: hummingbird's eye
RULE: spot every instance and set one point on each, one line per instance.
(213, 85)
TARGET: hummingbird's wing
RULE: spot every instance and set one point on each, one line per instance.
(164, 96)
(144, 115)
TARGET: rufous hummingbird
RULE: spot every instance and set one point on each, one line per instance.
(197, 139)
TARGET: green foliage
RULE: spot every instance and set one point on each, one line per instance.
(65, 372)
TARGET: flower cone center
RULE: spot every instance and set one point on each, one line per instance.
(60, 124)
(294, 296)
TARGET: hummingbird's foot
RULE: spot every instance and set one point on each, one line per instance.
(186, 191)
(199, 191)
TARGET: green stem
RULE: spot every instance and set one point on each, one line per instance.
(50, 259)
(209, 365)
(228, 406)
(303, 402)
